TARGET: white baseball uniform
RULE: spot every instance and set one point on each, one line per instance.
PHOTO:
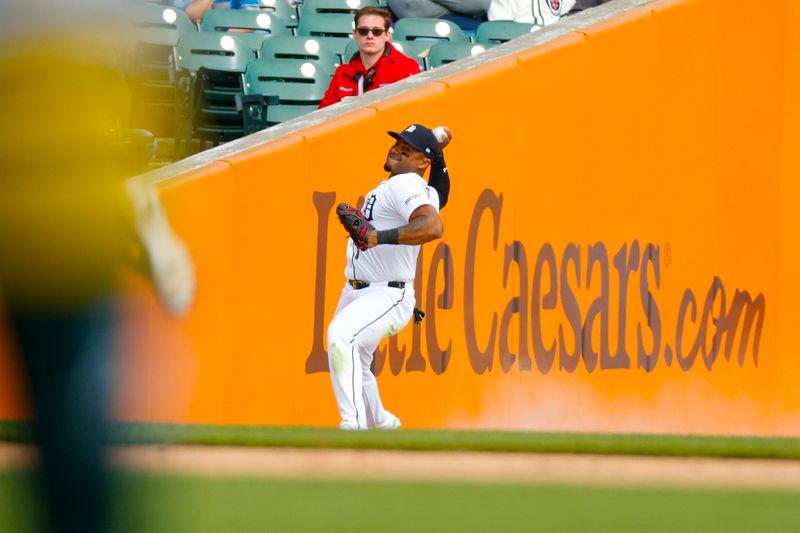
(367, 315)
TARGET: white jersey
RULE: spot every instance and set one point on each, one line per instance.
(540, 12)
(546, 12)
(516, 10)
(389, 206)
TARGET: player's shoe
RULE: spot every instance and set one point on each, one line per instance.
(391, 424)
(349, 425)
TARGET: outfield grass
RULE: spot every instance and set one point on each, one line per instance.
(509, 441)
(167, 504)
(198, 504)
(444, 440)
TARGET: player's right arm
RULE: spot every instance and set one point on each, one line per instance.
(439, 178)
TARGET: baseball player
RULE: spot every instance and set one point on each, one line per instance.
(378, 298)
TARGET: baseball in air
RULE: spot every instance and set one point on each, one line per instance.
(443, 135)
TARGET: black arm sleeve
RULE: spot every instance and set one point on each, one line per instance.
(440, 179)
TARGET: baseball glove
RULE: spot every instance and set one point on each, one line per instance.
(356, 224)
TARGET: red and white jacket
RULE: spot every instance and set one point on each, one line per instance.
(352, 79)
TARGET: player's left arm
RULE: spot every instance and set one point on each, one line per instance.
(424, 225)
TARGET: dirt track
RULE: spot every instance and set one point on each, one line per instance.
(460, 466)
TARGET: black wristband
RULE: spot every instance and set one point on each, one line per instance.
(388, 236)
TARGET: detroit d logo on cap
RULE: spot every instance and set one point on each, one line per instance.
(411, 128)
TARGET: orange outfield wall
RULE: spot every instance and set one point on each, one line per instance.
(620, 253)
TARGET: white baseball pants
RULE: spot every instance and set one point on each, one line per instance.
(364, 317)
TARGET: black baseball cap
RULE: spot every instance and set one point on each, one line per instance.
(420, 138)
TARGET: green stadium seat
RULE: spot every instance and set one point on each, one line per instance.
(494, 32)
(284, 10)
(211, 68)
(338, 6)
(306, 48)
(428, 30)
(349, 51)
(415, 36)
(221, 51)
(417, 50)
(251, 27)
(333, 29)
(443, 53)
(289, 88)
(157, 24)
(149, 64)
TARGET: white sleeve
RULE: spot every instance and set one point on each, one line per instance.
(544, 13)
(516, 10)
(409, 192)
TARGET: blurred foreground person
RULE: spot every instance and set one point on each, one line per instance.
(67, 224)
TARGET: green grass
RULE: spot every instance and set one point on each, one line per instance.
(198, 504)
(167, 504)
(510, 441)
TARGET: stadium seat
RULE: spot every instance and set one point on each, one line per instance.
(306, 48)
(149, 64)
(158, 24)
(349, 51)
(417, 50)
(333, 29)
(428, 30)
(251, 27)
(443, 53)
(467, 24)
(283, 9)
(290, 88)
(211, 66)
(494, 32)
(415, 36)
(220, 51)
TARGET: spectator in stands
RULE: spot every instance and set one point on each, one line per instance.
(237, 4)
(376, 63)
(516, 10)
(195, 9)
(439, 8)
(546, 12)
(541, 12)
